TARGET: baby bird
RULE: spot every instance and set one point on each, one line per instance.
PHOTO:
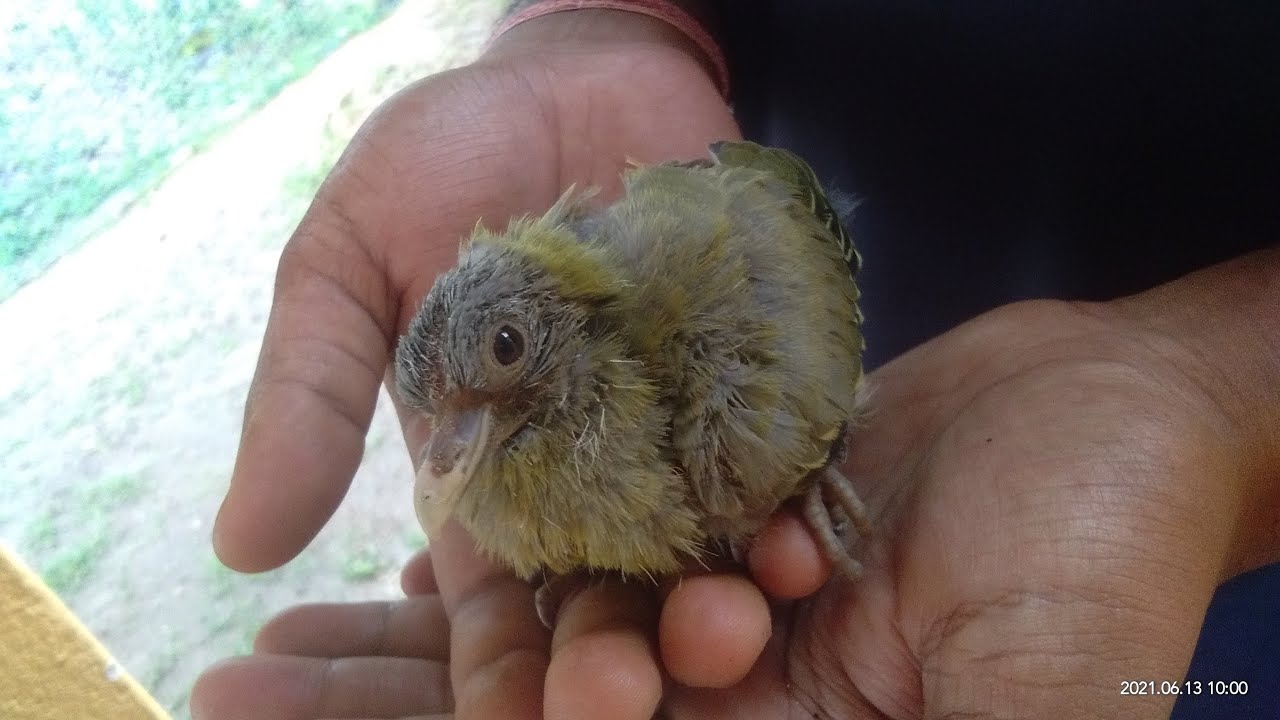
(626, 389)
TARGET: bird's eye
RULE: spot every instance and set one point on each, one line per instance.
(508, 345)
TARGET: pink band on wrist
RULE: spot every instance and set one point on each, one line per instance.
(664, 10)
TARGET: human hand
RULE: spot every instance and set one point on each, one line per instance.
(563, 99)
(558, 100)
(1059, 488)
(372, 659)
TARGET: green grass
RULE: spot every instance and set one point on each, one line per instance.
(104, 97)
(164, 659)
(72, 565)
(414, 538)
(231, 612)
(69, 541)
(114, 491)
(362, 565)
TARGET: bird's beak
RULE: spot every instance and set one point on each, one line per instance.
(458, 442)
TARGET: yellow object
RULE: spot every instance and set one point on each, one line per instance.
(51, 666)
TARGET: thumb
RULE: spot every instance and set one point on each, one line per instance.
(313, 392)
(387, 220)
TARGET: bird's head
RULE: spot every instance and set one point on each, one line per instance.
(498, 343)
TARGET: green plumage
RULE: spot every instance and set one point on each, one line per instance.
(694, 356)
(796, 173)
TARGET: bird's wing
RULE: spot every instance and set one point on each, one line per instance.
(805, 187)
(765, 362)
(807, 190)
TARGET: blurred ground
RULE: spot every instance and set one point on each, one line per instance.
(99, 101)
(127, 363)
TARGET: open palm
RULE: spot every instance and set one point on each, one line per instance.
(1035, 474)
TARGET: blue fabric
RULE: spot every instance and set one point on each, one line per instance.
(1011, 150)
(1003, 151)
(1239, 642)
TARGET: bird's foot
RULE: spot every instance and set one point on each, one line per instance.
(823, 517)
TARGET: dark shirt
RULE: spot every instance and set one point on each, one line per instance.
(1083, 150)
(1014, 150)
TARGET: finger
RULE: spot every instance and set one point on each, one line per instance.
(604, 660)
(312, 395)
(281, 687)
(713, 629)
(415, 627)
(419, 576)
(367, 249)
(498, 647)
(766, 692)
(785, 560)
(432, 716)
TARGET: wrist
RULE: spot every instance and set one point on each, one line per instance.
(1224, 322)
(597, 29)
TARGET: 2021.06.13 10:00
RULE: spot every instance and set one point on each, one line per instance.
(1187, 687)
